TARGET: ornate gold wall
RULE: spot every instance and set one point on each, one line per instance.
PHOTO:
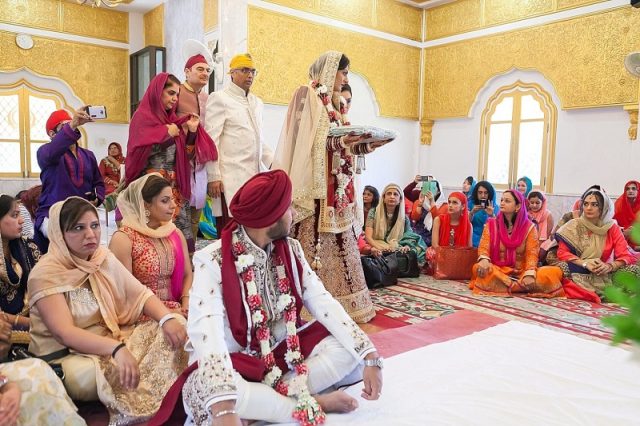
(72, 18)
(210, 15)
(283, 47)
(98, 75)
(468, 15)
(154, 27)
(582, 57)
(389, 16)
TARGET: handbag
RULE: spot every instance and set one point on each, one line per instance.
(454, 263)
(19, 352)
(380, 271)
(408, 264)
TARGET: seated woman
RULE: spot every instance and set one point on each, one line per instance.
(19, 256)
(626, 210)
(450, 229)
(27, 226)
(110, 167)
(484, 206)
(370, 200)
(592, 247)
(524, 186)
(540, 215)
(467, 189)
(424, 211)
(508, 255)
(389, 229)
(85, 312)
(148, 243)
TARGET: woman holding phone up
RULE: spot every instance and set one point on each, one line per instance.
(484, 203)
(425, 209)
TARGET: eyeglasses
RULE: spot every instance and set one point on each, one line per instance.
(247, 71)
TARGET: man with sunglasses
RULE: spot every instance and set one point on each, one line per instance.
(66, 169)
(234, 122)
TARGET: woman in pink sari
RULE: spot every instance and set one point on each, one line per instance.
(148, 243)
(157, 143)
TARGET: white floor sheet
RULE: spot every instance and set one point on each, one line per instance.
(510, 374)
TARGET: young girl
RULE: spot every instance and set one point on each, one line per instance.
(540, 215)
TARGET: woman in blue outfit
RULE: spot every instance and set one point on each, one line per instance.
(483, 206)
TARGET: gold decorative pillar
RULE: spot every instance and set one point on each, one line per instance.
(633, 122)
(426, 128)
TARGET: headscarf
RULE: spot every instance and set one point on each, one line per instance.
(462, 230)
(117, 160)
(470, 192)
(301, 150)
(500, 235)
(381, 232)
(625, 212)
(540, 217)
(527, 182)
(131, 206)
(26, 254)
(59, 271)
(148, 128)
(259, 203)
(574, 232)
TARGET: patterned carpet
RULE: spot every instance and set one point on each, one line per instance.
(416, 300)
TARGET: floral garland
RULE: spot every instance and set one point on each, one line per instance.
(342, 164)
(307, 412)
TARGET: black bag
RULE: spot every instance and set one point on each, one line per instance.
(380, 271)
(408, 264)
(19, 352)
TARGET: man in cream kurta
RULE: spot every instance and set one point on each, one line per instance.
(234, 122)
(221, 328)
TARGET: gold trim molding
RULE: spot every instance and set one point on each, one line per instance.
(67, 17)
(464, 16)
(582, 57)
(283, 47)
(633, 122)
(96, 74)
(426, 131)
(210, 15)
(389, 16)
(154, 27)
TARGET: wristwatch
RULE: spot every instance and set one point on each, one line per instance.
(584, 265)
(3, 380)
(376, 362)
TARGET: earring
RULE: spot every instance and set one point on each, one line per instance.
(147, 214)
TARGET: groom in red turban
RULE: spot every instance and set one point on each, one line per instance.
(246, 332)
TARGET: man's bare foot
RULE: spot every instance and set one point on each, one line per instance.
(336, 402)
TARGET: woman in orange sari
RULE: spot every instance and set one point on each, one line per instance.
(508, 255)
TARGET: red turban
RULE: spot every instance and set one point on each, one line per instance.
(262, 200)
(56, 118)
(195, 59)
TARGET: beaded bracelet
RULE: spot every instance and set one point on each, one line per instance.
(223, 413)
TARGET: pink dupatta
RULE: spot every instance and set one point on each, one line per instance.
(499, 234)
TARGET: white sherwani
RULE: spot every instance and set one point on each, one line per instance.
(234, 122)
(211, 341)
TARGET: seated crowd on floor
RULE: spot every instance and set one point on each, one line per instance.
(148, 323)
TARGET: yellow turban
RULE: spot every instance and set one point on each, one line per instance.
(242, 60)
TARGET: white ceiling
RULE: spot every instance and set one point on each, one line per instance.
(425, 4)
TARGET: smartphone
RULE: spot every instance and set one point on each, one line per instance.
(483, 204)
(429, 186)
(426, 178)
(97, 112)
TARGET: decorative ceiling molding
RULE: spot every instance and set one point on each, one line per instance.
(425, 4)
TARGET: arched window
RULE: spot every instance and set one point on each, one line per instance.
(518, 137)
(24, 110)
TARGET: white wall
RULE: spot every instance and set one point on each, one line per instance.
(395, 162)
(136, 31)
(592, 145)
(182, 21)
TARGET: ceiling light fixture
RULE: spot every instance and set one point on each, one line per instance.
(98, 3)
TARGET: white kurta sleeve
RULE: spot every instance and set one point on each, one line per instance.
(216, 117)
(213, 380)
(328, 311)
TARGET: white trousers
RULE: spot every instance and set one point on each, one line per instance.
(330, 367)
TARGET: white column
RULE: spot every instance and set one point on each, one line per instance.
(233, 29)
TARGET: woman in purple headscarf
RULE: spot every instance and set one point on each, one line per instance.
(508, 255)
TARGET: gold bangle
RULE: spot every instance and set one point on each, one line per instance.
(15, 321)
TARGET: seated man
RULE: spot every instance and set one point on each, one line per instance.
(256, 358)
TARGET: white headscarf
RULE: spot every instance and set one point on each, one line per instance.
(381, 224)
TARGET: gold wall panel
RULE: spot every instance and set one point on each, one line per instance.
(154, 27)
(283, 47)
(62, 16)
(469, 15)
(210, 14)
(95, 22)
(457, 17)
(582, 57)
(389, 16)
(501, 11)
(97, 75)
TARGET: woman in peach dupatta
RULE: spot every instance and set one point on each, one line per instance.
(85, 308)
(508, 255)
